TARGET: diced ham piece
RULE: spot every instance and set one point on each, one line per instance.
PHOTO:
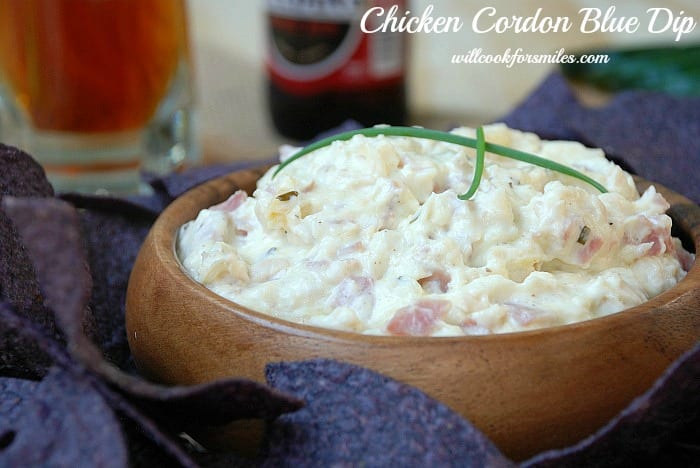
(418, 319)
(437, 187)
(589, 249)
(572, 229)
(232, 202)
(437, 282)
(660, 240)
(649, 232)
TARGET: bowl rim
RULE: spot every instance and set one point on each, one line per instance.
(165, 230)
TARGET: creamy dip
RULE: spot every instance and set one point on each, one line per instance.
(368, 235)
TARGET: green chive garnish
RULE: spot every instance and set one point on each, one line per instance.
(478, 167)
(417, 132)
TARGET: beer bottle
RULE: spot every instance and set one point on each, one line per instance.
(323, 70)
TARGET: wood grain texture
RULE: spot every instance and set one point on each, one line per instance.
(527, 391)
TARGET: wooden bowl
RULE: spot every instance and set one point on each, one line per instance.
(527, 391)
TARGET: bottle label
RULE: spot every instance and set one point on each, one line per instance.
(317, 46)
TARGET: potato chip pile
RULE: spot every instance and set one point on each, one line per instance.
(70, 395)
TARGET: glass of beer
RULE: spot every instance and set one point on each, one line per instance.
(97, 91)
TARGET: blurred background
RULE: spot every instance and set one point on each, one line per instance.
(228, 44)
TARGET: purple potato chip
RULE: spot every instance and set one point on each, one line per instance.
(143, 451)
(57, 253)
(63, 422)
(193, 403)
(114, 230)
(21, 357)
(155, 202)
(33, 339)
(21, 176)
(221, 401)
(12, 392)
(18, 284)
(128, 207)
(132, 415)
(547, 110)
(646, 430)
(50, 231)
(113, 241)
(9, 400)
(355, 416)
(147, 427)
(655, 134)
(207, 404)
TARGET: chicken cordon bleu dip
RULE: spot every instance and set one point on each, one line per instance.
(368, 235)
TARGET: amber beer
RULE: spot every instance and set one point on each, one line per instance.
(89, 69)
